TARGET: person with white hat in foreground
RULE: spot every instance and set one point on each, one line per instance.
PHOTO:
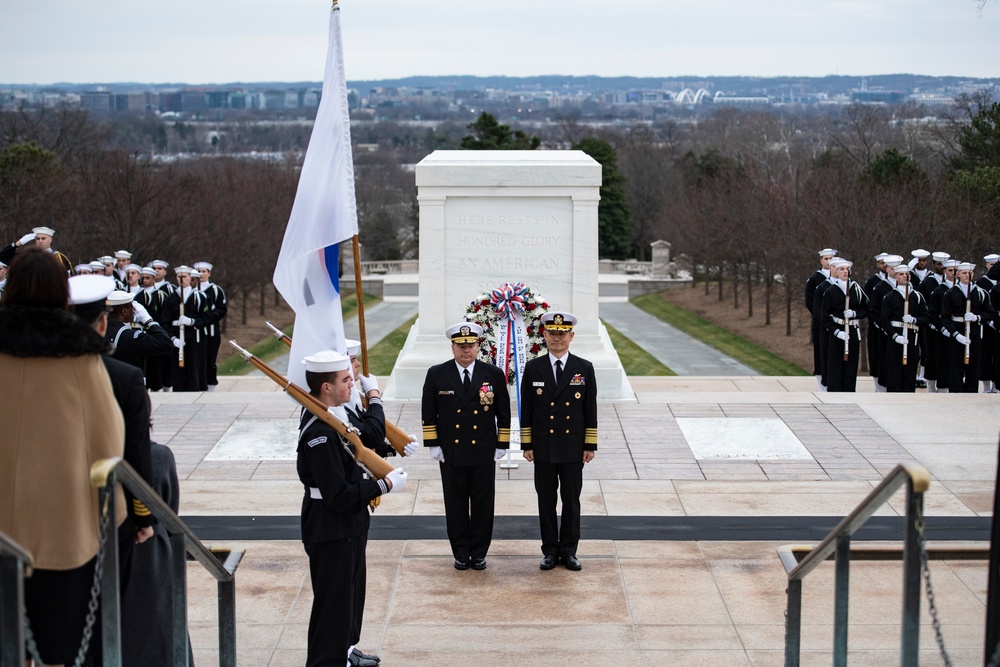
(335, 517)
(965, 310)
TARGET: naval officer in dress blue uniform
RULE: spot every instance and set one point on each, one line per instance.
(559, 435)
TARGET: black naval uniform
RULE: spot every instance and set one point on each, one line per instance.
(158, 369)
(842, 375)
(942, 335)
(133, 343)
(900, 378)
(879, 293)
(815, 280)
(871, 336)
(822, 340)
(469, 425)
(217, 309)
(190, 377)
(989, 333)
(335, 522)
(964, 378)
(929, 338)
(558, 424)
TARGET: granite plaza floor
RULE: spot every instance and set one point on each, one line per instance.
(767, 448)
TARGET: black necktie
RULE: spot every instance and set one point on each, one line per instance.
(467, 381)
(558, 371)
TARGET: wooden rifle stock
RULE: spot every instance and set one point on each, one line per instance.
(279, 334)
(371, 462)
(180, 327)
(968, 325)
(393, 433)
(906, 326)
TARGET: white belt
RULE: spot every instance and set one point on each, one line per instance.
(315, 493)
(842, 322)
(902, 325)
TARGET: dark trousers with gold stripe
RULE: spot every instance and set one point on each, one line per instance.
(469, 496)
(566, 479)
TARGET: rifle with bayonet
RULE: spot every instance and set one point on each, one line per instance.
(906, 325)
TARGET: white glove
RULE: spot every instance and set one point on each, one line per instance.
(178, 343)
(899, 340)
(27, 238)
(499, 454)
(848, 314)
(411, 447)
(398, 480)
(961, 339)
(437, 454)
(141, 315)
(841, 334)
(992, 324)
(368, 383)
(183, 319)
(971, 317)
(909, 319)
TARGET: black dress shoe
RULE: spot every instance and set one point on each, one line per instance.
(548, 562)
(462, 564)
(572, 563)
(359, 659)
(478, 563)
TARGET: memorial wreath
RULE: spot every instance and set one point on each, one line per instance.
(511, 318)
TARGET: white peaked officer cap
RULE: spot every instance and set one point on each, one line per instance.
(182, 269)
(119, 298)
(827, 251)
(901, 268)
(893, 260)
(89, 289)
(327, 361)
(148, 271)
(966, 266)
(992, 258)
(123, 254)
(48, 231)
(203, 265)
(940, 256)
(353, 347)
(556, 320)
(464, 332)
(920, 253)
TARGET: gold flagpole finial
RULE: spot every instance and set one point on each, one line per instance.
(334, 6)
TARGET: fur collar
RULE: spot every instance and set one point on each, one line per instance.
(46, 332)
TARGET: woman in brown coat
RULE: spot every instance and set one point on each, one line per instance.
(59, 416)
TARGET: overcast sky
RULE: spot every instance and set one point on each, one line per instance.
(221, 41)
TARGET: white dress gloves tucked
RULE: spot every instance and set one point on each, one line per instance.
(961, 339)
(437, 454)
(898, 339)
(849, 314)
(398, 479)
(411, 447)
(368, 383)
(841, 334)
(183, 320)
(971, 317)
(909, 319)
(178, 343)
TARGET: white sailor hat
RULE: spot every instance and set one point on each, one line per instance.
(353, 347)
(950, 263)
(992, 258)
(48, 231)
(327, 361)
(893, 260)
(80, 268)
(97, 265)
(195, 273)
(159, 263)
(940, 256)
(203, 265)
(84, 290)
(901, 268)
(123, 254)
(106, 259)
(119, 298)
(881, 256)
(920, 253)
(148, 271)
(556, 320)
(965, 266)
(840, 261)
(182, 269)
(827, 251)
(464, 332)
(2, 265)
(133, 267)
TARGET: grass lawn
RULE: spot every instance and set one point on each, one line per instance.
(382, 357)
(635, 360)
(730, 344)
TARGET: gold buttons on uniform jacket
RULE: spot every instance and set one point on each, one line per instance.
(459, 410)
(567, 404)
(456, 441)
(474, 427)
(567, 431)
(552, 416)
(473, 442)
(551, 431)
(567, 416)
(552, 405)
(475, 412)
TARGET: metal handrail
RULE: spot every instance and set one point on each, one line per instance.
(15, 564)
(917, 481)
(105, 475)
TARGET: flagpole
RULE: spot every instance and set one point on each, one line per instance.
(361, 302)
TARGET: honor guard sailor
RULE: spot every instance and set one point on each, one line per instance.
(903, 312)
(185, 331)
(965, 310)
(465, 411)
(821, 276)
(929, 337)
(988, 281)
(42, 236)
(844, 305)
(133, 333)
(217, 309)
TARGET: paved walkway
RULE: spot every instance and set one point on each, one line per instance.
(673, 348)
(702, 597)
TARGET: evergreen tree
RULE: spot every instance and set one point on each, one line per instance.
(614, 216)
(489, 135)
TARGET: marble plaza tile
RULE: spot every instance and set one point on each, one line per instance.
(222, 497)
(657, 550)
(672, 592)
(637, 486)
(977, 495)
(648, 504)
(568, 655)
(753, 589)
(741, 438)
(526, 639)
(257, 440)
(696, 658)
(957, 461)
(751, 504)
(226, 470)
(773, 488)
(276, 470)
(680, 637)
